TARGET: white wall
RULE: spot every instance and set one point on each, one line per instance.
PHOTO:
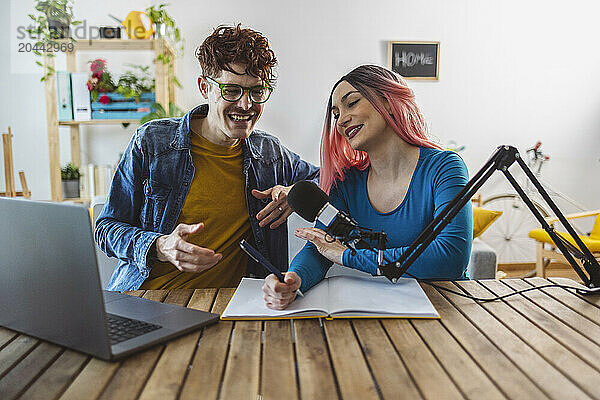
(510, 72)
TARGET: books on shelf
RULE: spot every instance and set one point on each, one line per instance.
(340, 296)
(95, 180)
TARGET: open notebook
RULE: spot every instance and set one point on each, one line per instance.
(337, 297)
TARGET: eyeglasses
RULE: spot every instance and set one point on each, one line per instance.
(232, 92)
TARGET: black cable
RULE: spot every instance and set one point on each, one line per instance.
(486, 299)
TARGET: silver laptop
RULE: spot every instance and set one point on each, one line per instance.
(50, 286)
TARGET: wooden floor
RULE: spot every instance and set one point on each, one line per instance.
(524, 270)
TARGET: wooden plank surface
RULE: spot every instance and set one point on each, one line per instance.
(546, 377)
(20, 377)
(580, 304)
(510, 379)
(203, 380)
(56, 378)
(202, 299)
(315, 375)
(431, 379)
(169, 372)
(458, 364)
(132, 375)
(351, 369)
(388, 369)
(537, 345)
(91, 381)
(6, 335)
(15, 351)
(278, 375)
(574, 320)
(497, 320)
(592, 299)
(242, 370)
(548, 336)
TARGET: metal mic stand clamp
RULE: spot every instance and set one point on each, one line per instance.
(502, 159)
(358, 237)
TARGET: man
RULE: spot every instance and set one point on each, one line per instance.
(188, 189)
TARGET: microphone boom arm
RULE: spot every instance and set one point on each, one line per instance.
(502, 158)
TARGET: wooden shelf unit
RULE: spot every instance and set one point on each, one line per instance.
(164, 86)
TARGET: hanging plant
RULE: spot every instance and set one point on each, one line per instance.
(50, 28)
(164, 26)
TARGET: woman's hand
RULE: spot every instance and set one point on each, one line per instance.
(278, 209)
(278, 295)
(332, 250)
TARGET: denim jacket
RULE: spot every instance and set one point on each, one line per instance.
(152, 181)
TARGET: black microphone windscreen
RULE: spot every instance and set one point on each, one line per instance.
(307, 199)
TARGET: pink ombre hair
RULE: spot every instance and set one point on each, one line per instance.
(375, 83)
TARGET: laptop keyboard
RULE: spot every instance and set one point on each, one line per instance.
(121, 328)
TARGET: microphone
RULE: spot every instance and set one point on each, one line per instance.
(311, 203)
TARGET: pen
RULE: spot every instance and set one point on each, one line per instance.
(256, 256)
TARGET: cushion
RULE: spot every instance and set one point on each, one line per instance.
(482, 219)
(542, 236)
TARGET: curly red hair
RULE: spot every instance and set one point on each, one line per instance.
(229, 45)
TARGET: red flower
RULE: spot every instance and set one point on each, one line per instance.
(98, 65)
(104, 99)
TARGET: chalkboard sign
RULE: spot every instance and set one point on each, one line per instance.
(414, 60)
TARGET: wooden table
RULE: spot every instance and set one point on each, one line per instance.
(543, 344)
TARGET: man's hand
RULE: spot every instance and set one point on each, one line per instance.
(277, 210)
(332, 250)
(278, 295)
(185, 256)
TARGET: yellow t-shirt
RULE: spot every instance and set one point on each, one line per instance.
(216, 198)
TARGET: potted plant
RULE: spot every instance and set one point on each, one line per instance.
(51, 23)
(69, 175)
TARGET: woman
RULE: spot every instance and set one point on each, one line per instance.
(378, 165)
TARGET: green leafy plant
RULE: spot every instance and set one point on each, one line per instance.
(160, 112)
(50, 23)
(69, 172)
(134, 82)
(160, 18)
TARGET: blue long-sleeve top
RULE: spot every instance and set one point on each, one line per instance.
(438, 177)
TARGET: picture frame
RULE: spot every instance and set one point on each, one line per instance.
(414, 60)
